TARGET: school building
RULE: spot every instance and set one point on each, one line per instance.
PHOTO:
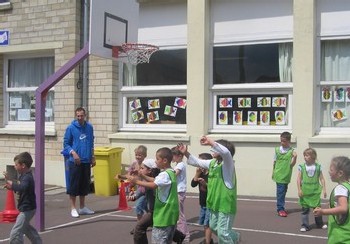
(239, 70)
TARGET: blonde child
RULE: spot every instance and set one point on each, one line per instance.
(222, 189)
(338, 220)
(141, 202)
(180, 171)
(309, 188)
(284, 161)
(166, 206)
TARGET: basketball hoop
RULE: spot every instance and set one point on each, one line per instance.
(138, 53)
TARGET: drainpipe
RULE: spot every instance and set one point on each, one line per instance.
(85, 78)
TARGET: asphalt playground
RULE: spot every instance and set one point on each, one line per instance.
(256, 220)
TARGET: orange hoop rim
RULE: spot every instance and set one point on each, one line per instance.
(138, 46)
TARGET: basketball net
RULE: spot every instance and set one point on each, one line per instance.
(138, 53)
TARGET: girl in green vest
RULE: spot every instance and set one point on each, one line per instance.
(338, 220)
(221, 189)
(309, 188)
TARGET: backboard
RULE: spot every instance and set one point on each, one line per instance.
(112, 23)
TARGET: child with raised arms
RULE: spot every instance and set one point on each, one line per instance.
(339, 216)
(222, 188)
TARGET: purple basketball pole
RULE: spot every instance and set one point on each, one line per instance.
(40, 98)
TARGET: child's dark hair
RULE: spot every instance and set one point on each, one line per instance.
(286, 135)
(342, 163)
(24, 158)
(176, 151)
(229, 145)
(155, 172)
(205, 156)
(166, 153)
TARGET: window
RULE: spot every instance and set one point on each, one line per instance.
(24, 76)
(252, 87)
(154, 94)
(335, 84)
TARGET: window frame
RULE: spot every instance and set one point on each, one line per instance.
(24, 124)
(246, 89)
(322, 130)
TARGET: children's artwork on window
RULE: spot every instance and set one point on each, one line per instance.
(244, 102)
(252, 117)
(180, 102)
(153, 104)
(135, 104)
(326, 95)
(237, 118)
(264, 118)
(347, 97)
(169, 110)
(264, 102)
(339, 95)
(153, 116)
(280, 118)
(15, 102)
(279, 102)
(222, 117)
(225, 102)
(338, 114)
(138, 115)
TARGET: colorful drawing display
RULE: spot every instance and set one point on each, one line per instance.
(326, 95)
(170, 111)
(339, 95)
(244, 102)
(264, 102)
(153, 116)
(138, 115)
(135, 104)
(180, 102)
(279, 102)
(153, 104)
(252, 117)
(223, 120)
(338, 115)
(280, 118)
(264, 118)
(237, 118)
(225, 102)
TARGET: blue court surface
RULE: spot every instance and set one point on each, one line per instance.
(256, 220)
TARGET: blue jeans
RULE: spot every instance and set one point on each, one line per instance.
(281, 191)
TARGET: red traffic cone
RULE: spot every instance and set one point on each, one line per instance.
(123, 204)
(10, 212)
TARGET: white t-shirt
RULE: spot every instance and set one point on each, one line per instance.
(164, 185)
(310, 169)
(339, 191)
(181, 177)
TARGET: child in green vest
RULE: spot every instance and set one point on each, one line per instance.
(309, 188)
(339, 216)
(222, 189)
(166, 206)
(285, 159)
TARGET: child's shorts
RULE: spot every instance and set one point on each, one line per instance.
(204, 216)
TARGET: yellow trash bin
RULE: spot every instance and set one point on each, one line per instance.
(108, 164)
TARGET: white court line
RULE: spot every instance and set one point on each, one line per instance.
(114, 214)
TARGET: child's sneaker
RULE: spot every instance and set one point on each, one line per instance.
(282, 213)
(74, 213)
(324, 227)
(304, 229)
